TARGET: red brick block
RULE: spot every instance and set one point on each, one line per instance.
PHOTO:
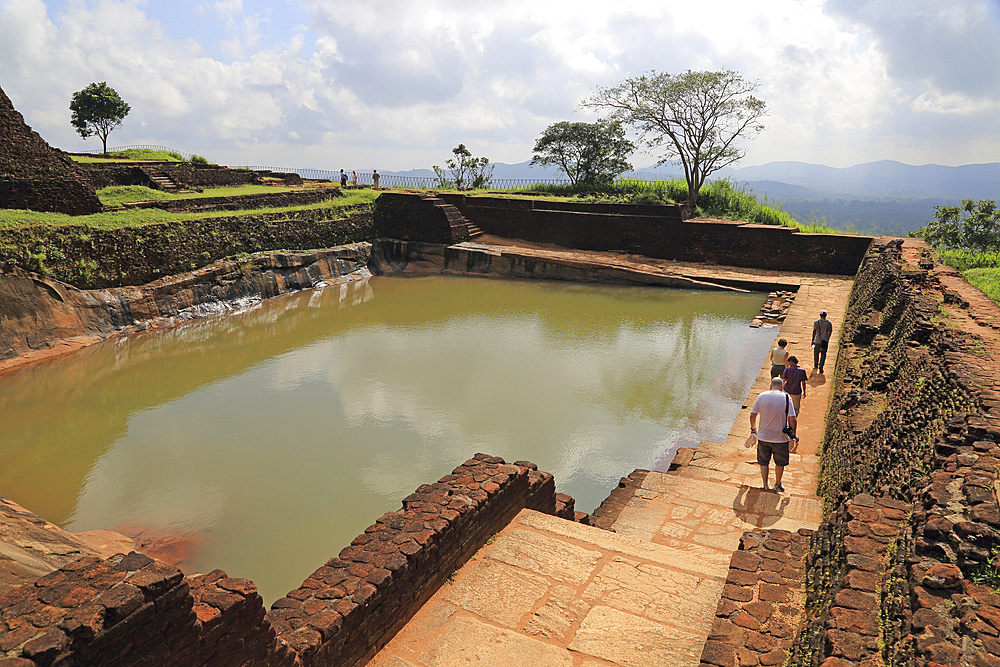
(156, 578)
(46, 616)
(943, 653)
(856, 621)
(18, 595)
(760, 642)
(737, 593)
(774, 657)
(745, 620)
(238, 585)
(45, 648)
(83, 623)
(744, 560)
(119, 602)
(718, 654)
(844, 645)
(943, 576)
(15, 638)
(760, 610)
(327, 623)
(132, 562)
(990, 614)
(773, 593)
(741, 578)
(862, 580)
(206, 615)
(360, 570)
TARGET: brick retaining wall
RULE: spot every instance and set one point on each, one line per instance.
(659, 231)
(243, 202)
(104, 174)
(909, 473)
(132, 609)
(757, 617)
(92, 257)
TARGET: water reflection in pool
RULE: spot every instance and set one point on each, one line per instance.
(262, 442)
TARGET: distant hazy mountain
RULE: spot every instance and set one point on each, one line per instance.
(881, 197)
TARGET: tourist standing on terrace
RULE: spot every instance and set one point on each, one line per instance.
(375, 178)
(822, 330)
(343, 178)
(354, 178)
(777, 419)
(795, 383)
(778, 357)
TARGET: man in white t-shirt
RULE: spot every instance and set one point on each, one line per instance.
(776, 411)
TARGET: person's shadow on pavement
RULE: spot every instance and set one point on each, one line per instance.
(759, 507)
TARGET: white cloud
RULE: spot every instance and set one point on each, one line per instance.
(397, 83)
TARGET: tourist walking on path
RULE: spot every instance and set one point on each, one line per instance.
(343, 178)
(778, 357)
(795, 383)
(822, 330)
(354, 178)
(777, 422)
(375, 178)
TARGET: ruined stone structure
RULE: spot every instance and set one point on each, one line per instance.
(900, 570)
(131, 609)
(35, 176)
(898, 573)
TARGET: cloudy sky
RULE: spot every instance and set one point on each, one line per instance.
(396, 84)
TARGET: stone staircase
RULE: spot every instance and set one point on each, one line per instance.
(461, 228)
(642, 586)
(162, 180)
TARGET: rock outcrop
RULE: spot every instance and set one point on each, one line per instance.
(35, 176)
(41, 317)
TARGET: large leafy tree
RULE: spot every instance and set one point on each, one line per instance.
(696, 118)
(465, 170)
(975, 225)
(588, 153)
(98, 109)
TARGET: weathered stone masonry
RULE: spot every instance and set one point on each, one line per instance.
(909, 469)
(135, 610)
(35, 176)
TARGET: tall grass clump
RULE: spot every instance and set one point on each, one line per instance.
(963, 259)
(719, 199)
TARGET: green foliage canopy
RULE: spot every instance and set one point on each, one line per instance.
(695, 118)
(974, 225)
(97, 109)
(588, 153)
(465, 170)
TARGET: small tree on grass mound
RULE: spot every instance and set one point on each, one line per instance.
(695, 118)
(97, 109)
(466, 171)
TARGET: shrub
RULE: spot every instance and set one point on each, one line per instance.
(198, 159)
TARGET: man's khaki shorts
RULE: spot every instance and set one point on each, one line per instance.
(766, 449)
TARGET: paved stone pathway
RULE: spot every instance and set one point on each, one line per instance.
(552, 592)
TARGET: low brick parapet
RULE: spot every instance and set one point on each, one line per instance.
(762, 601)
(349, 608)
(133, 609)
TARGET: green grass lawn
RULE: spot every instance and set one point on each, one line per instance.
(146, 216)
(117, 195)
(987, 280)
(133, 155)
